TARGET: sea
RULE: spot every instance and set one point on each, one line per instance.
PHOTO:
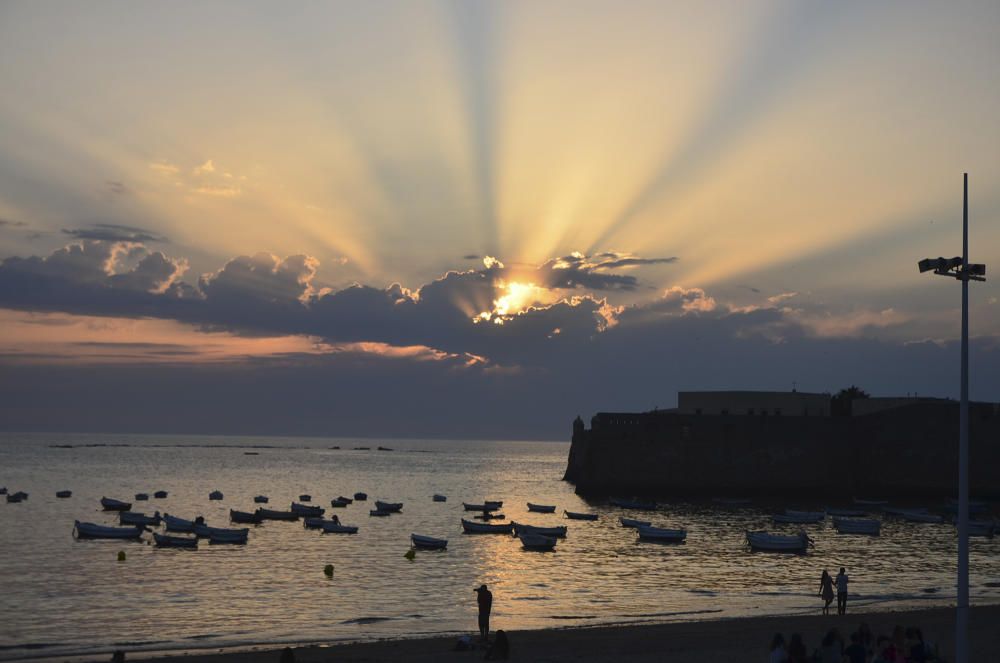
(62, 597)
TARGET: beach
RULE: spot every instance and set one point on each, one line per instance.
(744, 639)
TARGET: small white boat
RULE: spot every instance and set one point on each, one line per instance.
(305, 498)
(537, 542)
(140, 519)
(109, 504)
(160, 494)
(486, 528)
(64, 493)
(572, 515)
(763, 541)
(631, 522)
(428, 542)
(333, 527)
(799, 517)
(438, 497)
(167, 541)
(868, 526)
(846, 513)
(391, 507)
(632, 504)
(271, 514)
(307, 510)
(541, 508)
(244, 517)
(554, 532)
(93, 531)
(650, 533)
(215, 495)
(260, 499)
(141, 497)
(174, 524)
(380, 513)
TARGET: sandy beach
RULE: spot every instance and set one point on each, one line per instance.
(688, 642)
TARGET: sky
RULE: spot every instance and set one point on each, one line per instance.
(478, 220)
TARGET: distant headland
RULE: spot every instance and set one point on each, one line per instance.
(780, 444)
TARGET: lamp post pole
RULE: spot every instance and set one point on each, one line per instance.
(962, 612)
(959, 268)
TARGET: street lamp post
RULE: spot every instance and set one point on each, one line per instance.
(960, 269)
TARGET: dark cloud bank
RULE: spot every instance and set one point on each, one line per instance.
(525, 378)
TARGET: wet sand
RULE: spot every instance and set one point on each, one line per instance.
(725, 641)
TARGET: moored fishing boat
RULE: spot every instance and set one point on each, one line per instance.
(922, 517)
(439, 498)
(868, 526)
(486, 528)
(338, 503)
(141, 497)
(167, 541)
(305, 498)
(537, 542)
(215, 495)
(174, 524)
(541, 508)
(109, 504)
(307, 510)
(160, 494)
(982, 528)
(650, 533)
(380, 513)
(572, 515)
(260, 499)
(332, 527)
(763, 541)
(313, 522)
(64, 493)
(244, 517)
(140, 519)
(94, 531)
(271, 514)
(632, 522)
(555, 532)
(392, 507)
(220, 534)
(632, 504)
(361, 497)
(428, 542)
(484, 507)
(490, 515)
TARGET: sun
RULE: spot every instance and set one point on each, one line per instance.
(514, 298)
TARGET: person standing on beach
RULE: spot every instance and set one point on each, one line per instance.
(826, 591)
(842, 592)
(485, 601)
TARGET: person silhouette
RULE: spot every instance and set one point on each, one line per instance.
(826, 591)
(842, 591)
(485, 601)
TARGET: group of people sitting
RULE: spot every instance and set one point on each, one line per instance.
(903, 646)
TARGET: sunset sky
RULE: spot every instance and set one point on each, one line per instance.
(473, 219)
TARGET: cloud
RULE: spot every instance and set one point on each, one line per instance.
(219, 191)
(164, 168)
(207, 167)
(113, 232)
(7, 223)
(116, 187)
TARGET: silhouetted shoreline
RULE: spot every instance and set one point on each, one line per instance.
(728, 640)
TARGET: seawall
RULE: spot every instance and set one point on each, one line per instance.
(909, 451)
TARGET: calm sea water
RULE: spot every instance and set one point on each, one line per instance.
(62, 596)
